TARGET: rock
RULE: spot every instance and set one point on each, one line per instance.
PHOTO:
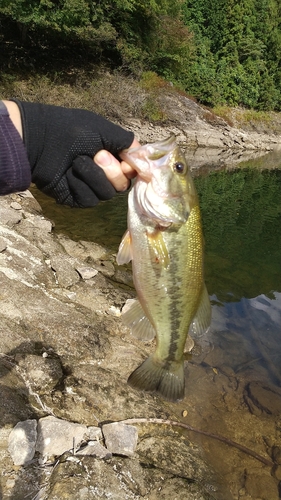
(120, 439)
(15, 205)
(41, 374)
(3, 245)
(84, 249)
(56, 436)
(64, 266)
(94, 433)
(9, 217)
(22, 440)
(185, 461)
(86, 273)
(105, 267)
(124, 276)
(94, 449)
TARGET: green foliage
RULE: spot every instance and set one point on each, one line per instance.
(245, 43)
(221, 52)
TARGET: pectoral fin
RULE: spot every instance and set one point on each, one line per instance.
(202, 318)
(159, 251)
(124, 254)
(134, 317)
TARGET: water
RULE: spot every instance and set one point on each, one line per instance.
(234, 377)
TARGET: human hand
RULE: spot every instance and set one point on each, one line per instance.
(119, 173)
(65, 148)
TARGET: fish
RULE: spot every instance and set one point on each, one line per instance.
(164, 241)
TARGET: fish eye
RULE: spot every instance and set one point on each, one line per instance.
(179, 167)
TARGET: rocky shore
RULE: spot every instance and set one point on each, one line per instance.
(65, 356)
(207, 138)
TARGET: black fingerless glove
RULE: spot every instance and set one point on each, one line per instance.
(61, 144)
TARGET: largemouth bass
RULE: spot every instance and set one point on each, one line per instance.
(165, 243)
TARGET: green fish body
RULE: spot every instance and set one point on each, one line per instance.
(165, 243)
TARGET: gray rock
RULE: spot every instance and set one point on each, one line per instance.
(83, 249)
(22, 440)
(86, 273)
(3, 245)
(94, 433)
(105, 267)
(120, 439)
(56, 436)
(15, 205)
(64, 266)
(9, 217)
(95, 449)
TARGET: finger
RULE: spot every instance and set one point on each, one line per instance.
(127, 170)
(86, 177)
(112, 169)
(135, 144)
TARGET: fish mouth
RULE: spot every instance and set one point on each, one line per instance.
(144, 159)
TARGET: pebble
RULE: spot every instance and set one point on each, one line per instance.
(15, 205)
(22, 441)
(120, 439)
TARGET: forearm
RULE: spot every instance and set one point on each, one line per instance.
(15, 173)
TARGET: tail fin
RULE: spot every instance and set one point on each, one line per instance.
(167, 380)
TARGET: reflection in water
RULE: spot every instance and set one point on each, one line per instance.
(234, 378)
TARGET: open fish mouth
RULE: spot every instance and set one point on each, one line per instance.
(146, 159)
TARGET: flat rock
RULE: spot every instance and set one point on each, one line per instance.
(86, 273)
(22, 440)
(64, 266)
(95, 449)
(120, 439)
(56, 436)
